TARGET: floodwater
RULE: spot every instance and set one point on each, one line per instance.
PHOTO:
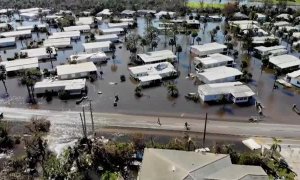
(278, 103)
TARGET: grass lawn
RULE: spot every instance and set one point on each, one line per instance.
(197, 5)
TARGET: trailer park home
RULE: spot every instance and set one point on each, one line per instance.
(206, 49)
(74, 35)
(262, 51)
(96, 46)
(81, 28)
(219, 74)
(213, 60)
(156, 57)
(17, 34)
(236, 92)
(7, 42)
(11, 67)
(293, 78)
(40, 53)
(58, 43)
(98, 57)
(117, 31)
(73, 86)
(107, 37)
(285, 63)
(152, 74)
(74, 71)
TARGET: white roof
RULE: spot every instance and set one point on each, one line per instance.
(193, 21)
(75, 68)
(69, 34)
(281, 23)
(30, 14)
(213, 59)
(157, 56)
(126, 19)
(105, 12)
(29, 10)
(296, 34)
(112, 30)
(77, 28)
(3, 25)
(73, 84)
(30, 27)
(262, 39)
(260, 15)
(161, 13)
(57, 42)
(85, 21)
(88, 56)
(128, 12)
(20, 64)
(251, 144)
(271, 48)
(208, 47)
(150, 78)
(284, 61)
(237, 89)
(16, 33)
(116, 25)
(53, 17)
(106, 37)
(7, 40)
(294, 74)
(37, 52)
(153, 69)
(220, 72)
(285, 16)
(96, 45)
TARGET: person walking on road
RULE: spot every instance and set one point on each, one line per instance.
(158, 121)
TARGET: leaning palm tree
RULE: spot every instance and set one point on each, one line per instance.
(49, 51)
(3, 78)
(172, 90)
(275, 146)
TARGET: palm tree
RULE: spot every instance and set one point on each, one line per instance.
(172, 43)
(143, 43)
(112, 48)
(49, 51)
(178, 51)
(172, 90)
(198, 39)
(154, 45)
(275, 146)
(3, 78)
(194, 35)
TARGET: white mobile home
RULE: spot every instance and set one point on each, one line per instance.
(30, 27)
(97, 46)
(81, 28)
(213, 60)
(58, 43)
(112, 31)
(293, 78)
(156, 57)
(107, 37)
(29, 15)
(17, 34)
(236, 92)
(104, 12)
(7, 42)
(262, 40)
(206, 49)
(152, 73)
(219, 74)
(281, 23)
(285, 62)
(85, 21)
(20, 64)
(262, 51)
(40, 53)
(118, 25)
(89, 57)
(73, 86)
(74, 35)
(74, 71)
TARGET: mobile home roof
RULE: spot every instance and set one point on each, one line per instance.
(16, 33)
(69, 34)
(220, 72)
(93, 45)
(20, 64)
(284, 61)
(57, 42)
(37, 52)
(75, 68)
(77, 28)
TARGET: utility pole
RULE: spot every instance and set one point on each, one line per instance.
(82, 124)
(92, 118)
(204, 132)
(84, 121)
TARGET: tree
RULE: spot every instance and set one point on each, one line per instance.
(132, 43)
(29, 78)
(154, 45)
(172, 43)
(178, 51)
(112, 48)
(172, 90)
(3, 78)
(198, 39)
(194, 35)
(244, 64)
(275, 146)
(49, 51)
(143, 43)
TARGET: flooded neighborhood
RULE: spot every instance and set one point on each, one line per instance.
(110, 90)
